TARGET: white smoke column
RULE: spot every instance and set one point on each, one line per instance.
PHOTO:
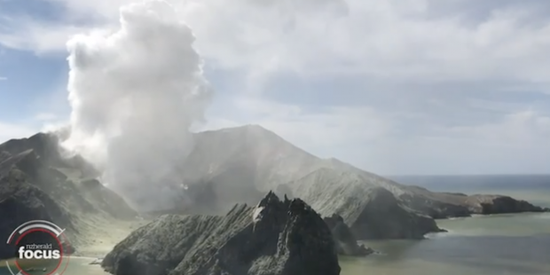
(135, 93)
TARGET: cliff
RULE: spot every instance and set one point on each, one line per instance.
(275, 237)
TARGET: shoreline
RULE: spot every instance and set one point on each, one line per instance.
(388, 257)
(102, 245)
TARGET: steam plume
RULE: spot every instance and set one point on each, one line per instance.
(134, 95)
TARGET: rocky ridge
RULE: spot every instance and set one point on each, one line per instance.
(371, 212)
(36, 183)
(243, 162)
(276, 237)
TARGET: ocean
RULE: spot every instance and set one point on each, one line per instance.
(511, 244)
(515, 244)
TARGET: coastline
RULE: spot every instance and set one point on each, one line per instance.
(394, 256)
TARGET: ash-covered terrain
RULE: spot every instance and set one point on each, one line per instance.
(241, 164)
(226, 167)
(275, 237)
(229, 166)
(36, 183)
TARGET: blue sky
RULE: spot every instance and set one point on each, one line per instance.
(414, 87)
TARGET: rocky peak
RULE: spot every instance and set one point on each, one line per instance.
(269, 199)
(281, 238)
(43, 144)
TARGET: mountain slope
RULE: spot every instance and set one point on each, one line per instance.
(240, 165)
(251, 160)
(371, 211)
(37, 183)
(244, 162)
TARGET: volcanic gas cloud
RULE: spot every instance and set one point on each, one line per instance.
(134, 93)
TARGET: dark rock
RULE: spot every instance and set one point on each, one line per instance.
(383, 217)
(43, 144)
(39, 159)
(22, 202)
(46, 146)
(346, 243)
(4, 156)
(449, 205)
(494, 204)
(275, 237)
(33, 187)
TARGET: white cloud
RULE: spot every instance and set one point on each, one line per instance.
(3, 78)
(385, 39)
(134, 94)
(452, 45)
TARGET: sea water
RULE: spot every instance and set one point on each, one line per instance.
(489, 245)
(517, 244)
(511, 244)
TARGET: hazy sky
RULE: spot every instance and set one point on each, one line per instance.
(392, 86)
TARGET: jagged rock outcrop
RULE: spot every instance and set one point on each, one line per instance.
(276, 237)
(346, 243)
